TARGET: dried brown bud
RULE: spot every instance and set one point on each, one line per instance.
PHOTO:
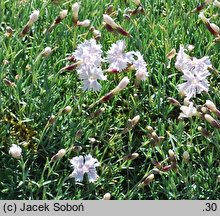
(131, 156)
(77, 148)
(171, 54)
(9, 83)
(52, 119)
(173, 101)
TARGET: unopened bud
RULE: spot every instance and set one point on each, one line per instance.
(212, 121)
(63, 14)
(150, 129)
(85, 23)
(171, 155)
(147, 181)
(98, 112)
(171, 54)
(75, 11)
(47, 51)
(210, 105)
(52, 119)
(131, 156)
(59, 155)
(15, 151)
(79, 134)
(173, 101)
(34, 17)
(109, 9)
(123, 83)
(215, 28)
(204, 132)
(9, 83)
(218, 178)
(216, 3)
(137, 2)
(67, 109)
(186, 156)
(107, 196)
(108, 20)
(156, 171)
(77, 148)
(203, 18)
(167, 168)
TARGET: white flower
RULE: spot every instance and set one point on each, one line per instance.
(117, 58)
(188, 111)
(195, 81)
(84, 164)
(140, 66)
(182, 59)
(90, 77)
(89, 70)
(185, 62)
(15, 151)
(89, 53)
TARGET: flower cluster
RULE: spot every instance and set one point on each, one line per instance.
(88, 63)
(195, 73)
(89, 69)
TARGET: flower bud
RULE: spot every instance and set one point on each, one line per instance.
(67, 109)
(47, 51)
(210, 105)
(34, 17)
(147, 181)
(123, 83)
(203, 18)
(173, 101)
(52, 119)
(63, 14)
(107, 196)
(150, 129)
(186, 156)
(215, 28)
(59, 155)
(9, 83)
(84, 23)
(131, 156)
(204, 132)
(108, 20)
(137, 2)
(77, 148)
(171, 155)
(216, 3)
(212, 121)
(156, 171)
(109, 9)
(15, 151)
(218, 178)
(171, 54)
(75, 11)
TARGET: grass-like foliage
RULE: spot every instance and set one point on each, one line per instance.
(44, 109)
